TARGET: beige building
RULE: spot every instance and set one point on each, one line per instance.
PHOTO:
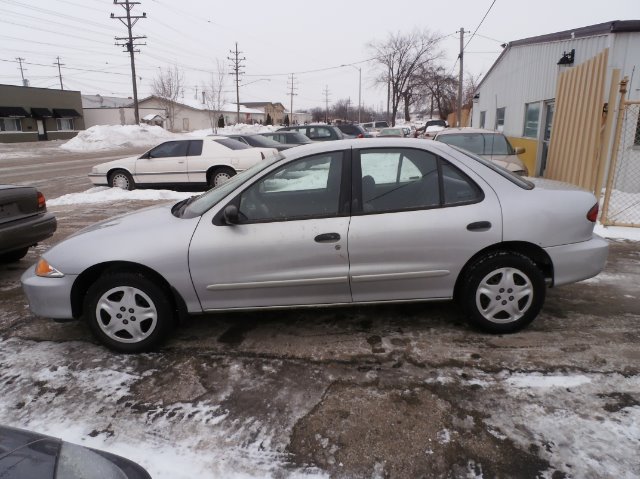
(33, 114)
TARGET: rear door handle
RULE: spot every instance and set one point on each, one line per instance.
(327, 238)
(479, 226)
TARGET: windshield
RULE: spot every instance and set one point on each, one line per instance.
(479, 143)
(258, 140)
(233, 144)
(197, 205)
(299, 137)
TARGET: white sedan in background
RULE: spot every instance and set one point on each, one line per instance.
(205, 162)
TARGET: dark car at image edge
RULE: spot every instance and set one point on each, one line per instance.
(24, 221)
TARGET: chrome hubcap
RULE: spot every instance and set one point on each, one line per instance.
(126, 314)
(504, 295)
(121, 181)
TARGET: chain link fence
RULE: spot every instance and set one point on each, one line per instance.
(621, 206)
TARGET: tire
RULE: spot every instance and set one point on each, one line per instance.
(13, 256)
(220, 175)
(503, 292)
(121, 179)
(145, 313)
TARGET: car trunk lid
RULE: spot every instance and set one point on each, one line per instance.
(18, 202)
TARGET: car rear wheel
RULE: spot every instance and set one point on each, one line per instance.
(12, 256)
(220, 175)
(128, 312)
(503, 292)
(121, 179)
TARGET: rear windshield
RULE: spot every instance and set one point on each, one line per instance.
(509, 175)
(232, 144)
(479, 143)
(261, 141)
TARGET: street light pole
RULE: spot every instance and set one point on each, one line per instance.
(359, 89)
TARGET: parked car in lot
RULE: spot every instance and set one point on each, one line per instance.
(24, 221)
(205, 162)
(378, 124)
(431, 128)
(354, 130)
(317, 132)
(489, 144)
(340, 223)
(259, 141)
(393, 131)
(293, 138)
(25, 454)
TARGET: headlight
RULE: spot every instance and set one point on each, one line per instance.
(44, 269)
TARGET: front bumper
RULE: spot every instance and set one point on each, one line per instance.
(98, 179)
(48, 297)
(577, 261)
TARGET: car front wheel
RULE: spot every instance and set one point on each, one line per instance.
(220, 175)
(128, 312)
(503, 292)
(121, 179)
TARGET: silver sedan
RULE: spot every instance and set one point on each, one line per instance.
(334, 223)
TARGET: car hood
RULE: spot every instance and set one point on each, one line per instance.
(127, 163)
(139, 237)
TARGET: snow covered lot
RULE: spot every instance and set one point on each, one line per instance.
(402, 391)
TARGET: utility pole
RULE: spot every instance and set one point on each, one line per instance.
(236, 65)
(292, 88)
(57, 62)
(129, 21)
(20, 60)
(326, 99)
(461, 57)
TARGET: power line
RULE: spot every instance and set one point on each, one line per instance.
(479, 24)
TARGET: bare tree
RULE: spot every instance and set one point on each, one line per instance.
(168, 87)
(401, 56)
(213, 94)
(439, 88)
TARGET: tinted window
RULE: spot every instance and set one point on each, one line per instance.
(479, 143)
(232, 144)
(458, 188)
(261, 141)
(398, 179)
(170, 148)
(309, 187)
(195, 148)
(319, 133)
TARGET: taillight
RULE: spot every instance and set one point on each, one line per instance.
(592, 215)
(360, 136)
(42, 203)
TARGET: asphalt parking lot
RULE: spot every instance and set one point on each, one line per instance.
(376, 392)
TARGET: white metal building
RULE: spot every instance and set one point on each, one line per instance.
(517, 95)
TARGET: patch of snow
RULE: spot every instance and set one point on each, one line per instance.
(104, 194)
(106, 137)
(543, 381)
(617, 232)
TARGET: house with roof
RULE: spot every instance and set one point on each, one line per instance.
(276, 111)
(552, 93)
(33, 114)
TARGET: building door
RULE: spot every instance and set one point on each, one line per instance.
(185, 124)
(545, 136)
(42, 132)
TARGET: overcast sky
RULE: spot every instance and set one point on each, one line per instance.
(277, 37)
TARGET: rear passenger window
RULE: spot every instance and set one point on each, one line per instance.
(195, 148)
(458, 188)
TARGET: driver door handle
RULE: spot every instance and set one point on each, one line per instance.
(327, 238)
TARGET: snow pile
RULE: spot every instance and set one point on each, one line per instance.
(239, 129)
(617, 232)
(103, 194)
(104, 137)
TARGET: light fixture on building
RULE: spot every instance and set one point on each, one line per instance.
(567, 58)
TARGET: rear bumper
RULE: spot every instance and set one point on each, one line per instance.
(48, 297)
(577, 261)
(27, 232)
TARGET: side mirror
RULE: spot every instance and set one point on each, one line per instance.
(230, 214)
(519, 150)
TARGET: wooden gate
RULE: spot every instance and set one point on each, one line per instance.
(581, 126)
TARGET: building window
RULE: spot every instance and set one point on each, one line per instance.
(483, 118)
(531, 120)
(65, 124)
(636, 138)
(500, 118)
(10, 124)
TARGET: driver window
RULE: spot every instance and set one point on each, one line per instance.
(170, 148)
(309, 187)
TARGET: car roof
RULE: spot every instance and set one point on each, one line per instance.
(327, 146)
(465, 129)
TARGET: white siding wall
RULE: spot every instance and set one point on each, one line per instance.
(115, 116)
(526, 74)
